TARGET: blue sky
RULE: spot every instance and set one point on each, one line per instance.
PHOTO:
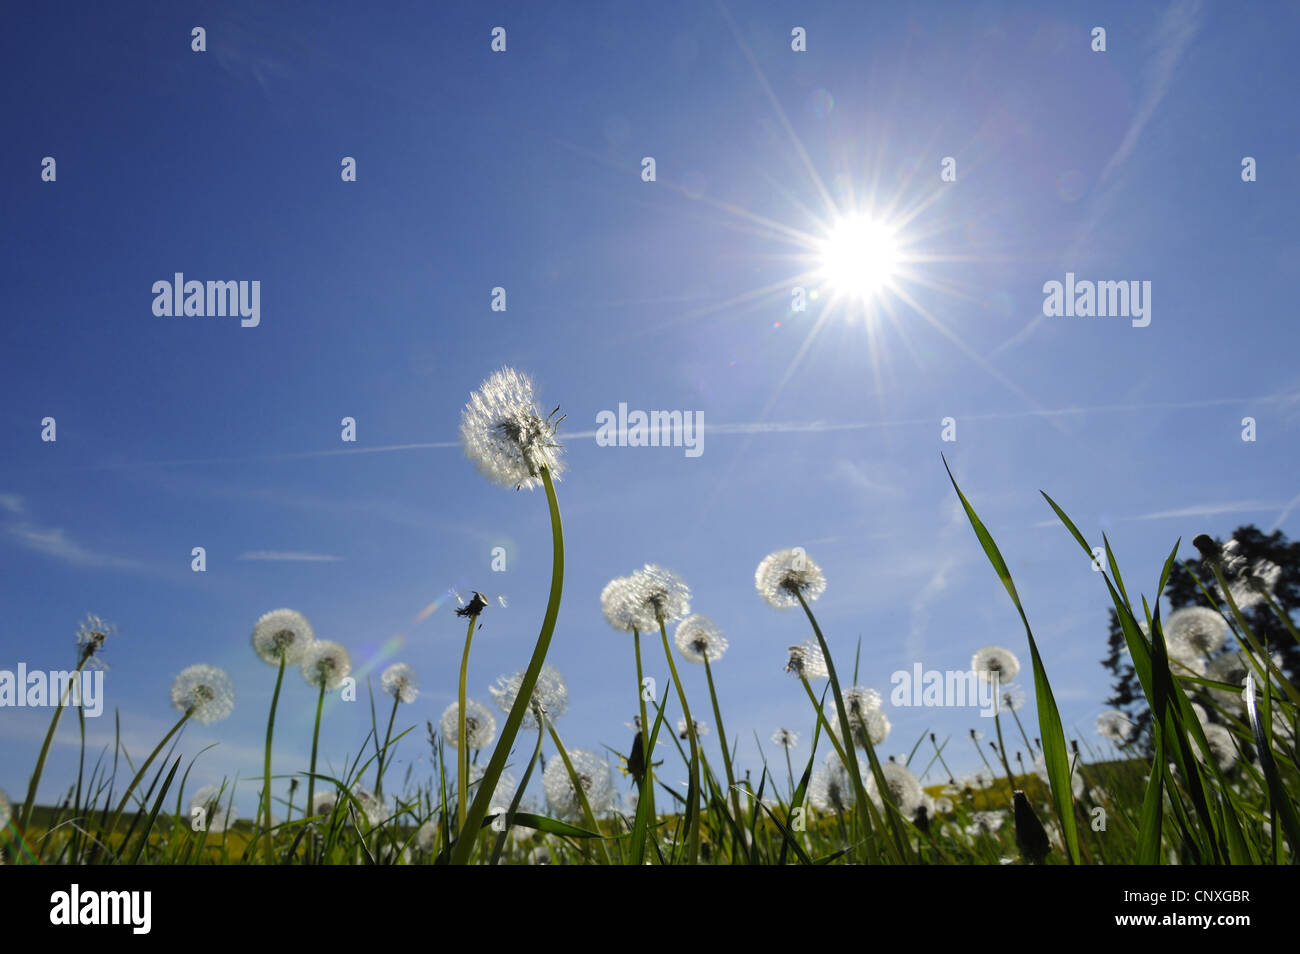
(522, 169)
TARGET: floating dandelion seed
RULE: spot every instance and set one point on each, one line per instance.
(216, 817)
(504, 434)
(785, 575)
(325, 665)
(1194, 631)
(399, 682)
(550, 695)
(904, 788)
(282, 634)
(785, 738)
(866, 719)
(656, 595)
(683, 730)
(1116, 727)
(995, 662)
(698, 639)
(480, 725)
(205, 692)
(594, 777)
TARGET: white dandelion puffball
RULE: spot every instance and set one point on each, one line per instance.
(550, 695)
(980, 778)
(904, 788)
(505, 435)
(699, 640)
(618, 604)
(1230, 667)
(502, 795)
(785, 575)
(1222, 746)
(399, 682)
(658, 595)
(6, 810)
(205, 692)
(1011, 698)
(282, 634)
(996, 662)
(92, 633)
(830, 789)
(1195, 631)
(807, 662)
(480, 725)
(984, 823)
(1116, 727)
(216, 816)
(785, 738)
(426, 838)
(325, 665)
(1251, 585)
(322, 803)
(372, 808)
(700, 728)
(866, 719)
(594, 777)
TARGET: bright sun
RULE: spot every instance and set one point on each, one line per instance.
(859, 257)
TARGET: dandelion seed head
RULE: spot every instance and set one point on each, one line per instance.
(699, 639)
(830, 789)
(480, 725)
(372, 807)
(504, 434)
(1076, 780)
(996, 662)
(426, 838)
(550, 695)
(785, 738)
(985, 823)
(1252, 584)
(502, 795)
(783, 576)
(282, 634)
(208, 799)
(205, 692)
(6, 810)
(399, 682)
(658, 594)
(1011, 698)
(618, 604)
(700, 729)
(807, 661)
(866, 718)
(904, 788)
(594, 777)
(322, 803)
(325, 665)
(1222, 746)
(92, 634)
(1194, 631)
(1116, 727)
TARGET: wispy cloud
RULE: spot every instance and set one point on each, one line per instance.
(288, 556)
(12, 503)
(53, 542)
(1198, 510)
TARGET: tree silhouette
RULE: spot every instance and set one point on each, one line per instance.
(1183, 591)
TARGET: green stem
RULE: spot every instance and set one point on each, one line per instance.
(519, 794)
(647, 786)
(726, 756)
(30, 803)
(693, 787)
(1002, 750)
(462, 753)
(478, 810)
(588, 815)
(266, 778)
(383, 753)
(315, 738)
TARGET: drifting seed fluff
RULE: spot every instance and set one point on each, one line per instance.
(807, 662)
(550, 695)
(995, 661)
(619, 605)
(594, 777)
(504, 434)
(866, 719)
(700, 728)
(325, 665)
(1252, 584)
(399, 682)
(1116, 727)
(480, 725)
(282, 634)
(785, 575)
(205, 692)
(1195, 631)
(904, 788)
(208, 799)
(657, 594)
(698, 639)
(786, 738)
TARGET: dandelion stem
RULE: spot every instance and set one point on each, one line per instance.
(383, 753)
(519, 794)
(30, 802)
(462, 753)
(647, 789)
(1002, 749)
(693, 786)
(578, 789)
(315, 738)
(726, 754)
(266, 778)
(478, 810)
(130, 789)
